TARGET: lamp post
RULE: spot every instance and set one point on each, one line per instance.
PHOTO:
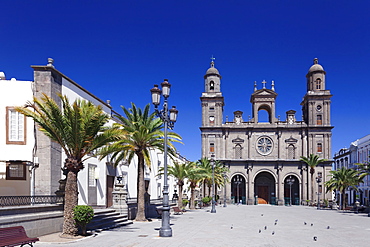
(318, 180)
(290, 181)
(237, 182)
(169, 118)
(224, 175)
(213, 210)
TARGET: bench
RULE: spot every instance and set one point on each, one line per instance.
(177, 210)
(13, 236)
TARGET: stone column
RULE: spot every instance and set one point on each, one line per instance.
(119, 199)
(280, 185)
(250, 189)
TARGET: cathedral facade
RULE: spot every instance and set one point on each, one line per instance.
(264, 157)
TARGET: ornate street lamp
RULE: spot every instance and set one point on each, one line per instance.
(318, 180)
(290, 181)
(237, 182)
(213, 210)
(169, 118)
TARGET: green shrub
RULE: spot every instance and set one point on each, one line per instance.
(206, 199)
(83, 214)
(185, 202)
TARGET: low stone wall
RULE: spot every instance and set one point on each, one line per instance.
(37, 220)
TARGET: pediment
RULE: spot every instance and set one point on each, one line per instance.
(265, 92)
(238, 140)
(291, 140)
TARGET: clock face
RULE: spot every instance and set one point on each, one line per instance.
(264, 145)
(318, 107)
(212, 118)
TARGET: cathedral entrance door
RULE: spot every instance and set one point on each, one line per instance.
(264, 188)
(263, 194)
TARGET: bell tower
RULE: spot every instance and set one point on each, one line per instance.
(316, 102)
(316, 112)
(212, 113)
(212, 100)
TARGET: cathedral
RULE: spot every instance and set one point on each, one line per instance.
(264, 157)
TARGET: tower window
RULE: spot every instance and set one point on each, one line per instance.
(318, 83)
(212, 85)
(211, 147)
(291, 151)
(319, 120)
(319, 147)
(238, 151)
(212, 120)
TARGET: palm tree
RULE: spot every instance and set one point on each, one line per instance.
(144, 131)
(180, 172)
(194, 177)
(205, 168)
(313, 161)
(79, 130)
(344, 178)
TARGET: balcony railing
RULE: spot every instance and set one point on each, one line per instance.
(30, 200)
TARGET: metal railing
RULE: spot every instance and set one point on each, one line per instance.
(30, 200)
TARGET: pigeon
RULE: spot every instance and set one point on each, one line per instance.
(265, 227)
(314, 238)
(259, 231)
(231, 226)
(275, 223)
(273, 233)
(305, 223)
(311, 224)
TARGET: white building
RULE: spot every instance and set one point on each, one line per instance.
(358, 152)
(30, 164)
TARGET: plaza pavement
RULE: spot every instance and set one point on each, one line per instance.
(239, 225)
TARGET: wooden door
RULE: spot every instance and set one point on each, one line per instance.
(263, 193)
(110, 184)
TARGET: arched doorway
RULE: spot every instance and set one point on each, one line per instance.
(264, 188)
(291, 190)
(238, 189)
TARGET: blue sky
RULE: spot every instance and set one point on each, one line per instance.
(119, 49)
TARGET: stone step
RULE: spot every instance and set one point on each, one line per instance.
(107, 219)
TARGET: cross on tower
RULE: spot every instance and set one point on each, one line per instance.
(264, 83)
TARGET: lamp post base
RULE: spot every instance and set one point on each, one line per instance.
(165, 232)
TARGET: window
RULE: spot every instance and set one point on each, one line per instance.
(212, 147)
(319, 147)
(212, 85)
(15, 127)
(92, 181)
(318, 83)
(291, 151)
(238, 151)
(319, 120)
(16, 171)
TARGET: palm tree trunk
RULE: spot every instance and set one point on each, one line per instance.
(71, 200)
(343, 199)
(179, 201)
(140, 214)
(312, 188)
(192, 204)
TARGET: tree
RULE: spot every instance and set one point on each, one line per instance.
(206, 173)
(180, 172)
(79, 130)
(194, 177)
(143, 132)
(344, 178)
(313, 161)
